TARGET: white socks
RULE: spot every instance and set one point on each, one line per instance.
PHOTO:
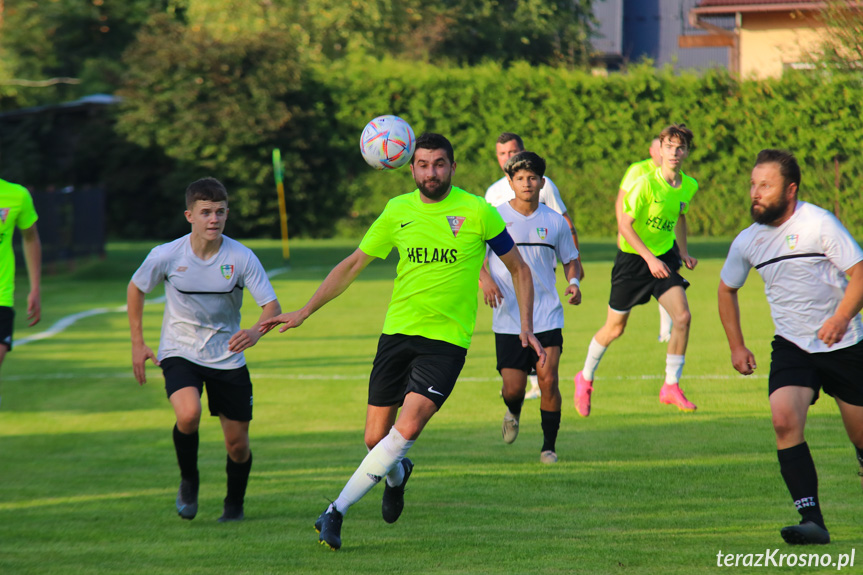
(384, 458)
(595, 352)
(673, 368)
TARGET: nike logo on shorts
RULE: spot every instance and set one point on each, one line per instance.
(434, 391)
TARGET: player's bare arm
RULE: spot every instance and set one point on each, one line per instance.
(835, 327)
(658, 269)
(571, 270)
(522, 281)
(140, 352)
(681, 233)
(575, 239)
(729, 314)
(33, 258)
(246, 338)
(491, 294)
(336, 282)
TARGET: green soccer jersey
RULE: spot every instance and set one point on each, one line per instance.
(656, 206)
(16, 210)
(441, 249)
(635, 171)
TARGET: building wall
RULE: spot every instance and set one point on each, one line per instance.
(769, 42)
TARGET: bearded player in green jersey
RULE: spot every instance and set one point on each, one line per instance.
(652, 215)
(441, 233)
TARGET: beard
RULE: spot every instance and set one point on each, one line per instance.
(769, 214)
(434, 189)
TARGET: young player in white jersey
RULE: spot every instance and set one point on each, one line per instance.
(204, 274)
(803, 254)
(542, 237)
(500, 192)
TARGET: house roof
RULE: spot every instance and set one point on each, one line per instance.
(732, 6)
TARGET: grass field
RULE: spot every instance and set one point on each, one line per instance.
(88, 476)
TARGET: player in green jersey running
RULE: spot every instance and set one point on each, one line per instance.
(441, 233)
(653, 213)
(17, 211)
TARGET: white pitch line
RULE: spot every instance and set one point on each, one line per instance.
(65, 322)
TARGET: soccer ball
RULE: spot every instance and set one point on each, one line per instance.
(387, 143)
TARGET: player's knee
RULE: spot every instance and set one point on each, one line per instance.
(786, 427)
(616, 330)
(548, 381)
(238, 449)
(682, 319)
(188, 421)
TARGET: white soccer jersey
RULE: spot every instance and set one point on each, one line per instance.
(542, 238)
(203, 298)
(501, 192)
(802, 263)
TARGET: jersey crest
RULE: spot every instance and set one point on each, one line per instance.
(542, 232)
(455, 223)
(228, 271)
(791, 240)
(4, 213)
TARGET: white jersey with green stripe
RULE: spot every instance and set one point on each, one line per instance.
(441, 248)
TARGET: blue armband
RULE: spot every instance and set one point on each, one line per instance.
(501, 243)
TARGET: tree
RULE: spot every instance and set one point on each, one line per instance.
(842, 47)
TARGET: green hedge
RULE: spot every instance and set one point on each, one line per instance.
(590, 128)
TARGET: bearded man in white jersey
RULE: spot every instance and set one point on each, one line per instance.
(542, 237)
(803, 254)
(204, 273)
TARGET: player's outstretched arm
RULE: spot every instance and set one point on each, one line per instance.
(246, 338)
(336, 282)
(729, 314)
(571, 270)
(835, 327)
(491, 294)
(522, 281)
(140, 352)
(33, 259)
(658, 269)
(681, 233)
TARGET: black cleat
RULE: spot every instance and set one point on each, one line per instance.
(187, 499)
(232, 512)
(394, 497)
(807, 533)
(329, 525)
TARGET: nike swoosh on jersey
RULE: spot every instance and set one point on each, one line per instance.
(408, 223)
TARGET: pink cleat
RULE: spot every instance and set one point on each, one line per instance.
(583, 389)
(671, 394)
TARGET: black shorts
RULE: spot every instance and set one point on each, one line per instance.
(839, 373)
(412, 363)
(7, 319)
(229, 391)
(632, 283)
(510, 354)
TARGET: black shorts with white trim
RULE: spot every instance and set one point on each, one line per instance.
(412, 363)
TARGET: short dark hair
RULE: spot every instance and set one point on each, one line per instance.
(679, 131)
(525, 161)
(432, 141)
(206, 189)
(788, 166)
(506, 137)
